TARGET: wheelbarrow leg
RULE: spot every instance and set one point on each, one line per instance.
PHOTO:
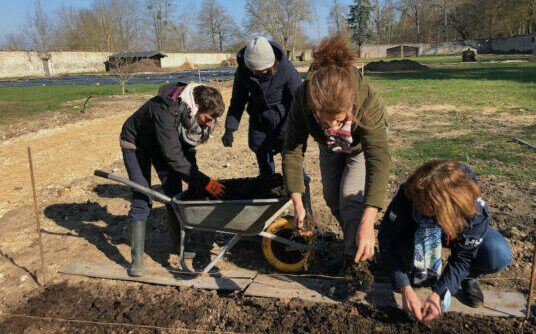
(230, 245)
(181, 249)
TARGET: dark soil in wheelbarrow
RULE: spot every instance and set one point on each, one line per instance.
(186, 310)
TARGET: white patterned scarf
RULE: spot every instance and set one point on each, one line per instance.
(189, 130)
(339, 137)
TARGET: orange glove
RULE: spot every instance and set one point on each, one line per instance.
(215, 188)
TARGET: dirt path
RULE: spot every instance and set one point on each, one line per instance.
(59, 155)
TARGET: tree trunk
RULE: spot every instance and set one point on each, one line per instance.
(123, 87)
(294, 40)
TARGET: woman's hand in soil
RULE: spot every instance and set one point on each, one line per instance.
(365, 238)
(411, 303)
(299, 211)
(432, 307)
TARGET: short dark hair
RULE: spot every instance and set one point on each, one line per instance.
(209, 99)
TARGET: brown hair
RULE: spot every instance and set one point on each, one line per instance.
(445, 188)
(209, 99)
(330, 86)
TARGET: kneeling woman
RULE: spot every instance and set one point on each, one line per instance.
(164, 133)
(440, 203)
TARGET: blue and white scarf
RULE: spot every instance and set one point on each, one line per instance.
(427, 259)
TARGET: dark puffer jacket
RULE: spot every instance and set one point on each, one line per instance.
(396, 242)
(154, 129)
(268, 101)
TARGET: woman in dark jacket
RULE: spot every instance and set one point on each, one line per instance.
(164, 132)
(440, 203)
(265, 80)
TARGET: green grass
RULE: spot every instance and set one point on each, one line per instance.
(428, 60)
(23, 102)
(488, 153)
(482, 85)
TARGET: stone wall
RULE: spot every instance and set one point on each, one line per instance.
(516, 44)
(30, 63)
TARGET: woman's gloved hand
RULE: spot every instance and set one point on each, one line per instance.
(215, 188)
(227, 138)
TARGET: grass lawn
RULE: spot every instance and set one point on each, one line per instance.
(510, 85)
(21, 102)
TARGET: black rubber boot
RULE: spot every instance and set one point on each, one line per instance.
(472, 295)
(136, 231)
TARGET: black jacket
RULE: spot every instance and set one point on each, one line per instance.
(268, 101)
(396, 242)
(154, 129)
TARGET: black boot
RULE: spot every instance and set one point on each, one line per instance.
(136, 231)
(472, 295)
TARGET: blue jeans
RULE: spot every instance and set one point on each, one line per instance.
(493, 255)
(138, 165)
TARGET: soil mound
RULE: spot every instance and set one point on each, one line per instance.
(245, 188)
(395, 66)
(143, 65)
(229, 62)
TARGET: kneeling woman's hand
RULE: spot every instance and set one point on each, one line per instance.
(411, 303)
(432, 307)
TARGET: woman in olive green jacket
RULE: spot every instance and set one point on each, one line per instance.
(347, 119)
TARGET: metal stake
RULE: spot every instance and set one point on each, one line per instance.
(43, 273)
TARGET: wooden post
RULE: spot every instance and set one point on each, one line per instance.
(531, 286)
(43, 273)
(402, 51)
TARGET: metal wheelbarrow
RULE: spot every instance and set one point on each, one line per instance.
(239, 218)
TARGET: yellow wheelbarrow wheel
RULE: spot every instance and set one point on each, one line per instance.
(278, 254)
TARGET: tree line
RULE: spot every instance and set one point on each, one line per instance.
(184, 25)
(432, 21)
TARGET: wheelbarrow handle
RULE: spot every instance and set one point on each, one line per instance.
(148, 191)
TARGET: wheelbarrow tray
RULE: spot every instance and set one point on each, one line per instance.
(243, 217)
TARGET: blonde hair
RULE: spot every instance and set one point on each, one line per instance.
(330, 86)
(446, 189)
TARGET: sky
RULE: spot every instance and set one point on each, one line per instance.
(13, 13)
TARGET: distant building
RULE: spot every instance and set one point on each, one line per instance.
(402, 51)
(128, 58)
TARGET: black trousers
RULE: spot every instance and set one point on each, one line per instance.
(138, 165)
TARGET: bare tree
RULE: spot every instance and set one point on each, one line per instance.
(415, 10)
(337, 17)
(278, 18)
(160, 13)
(182, 32)
(39, 28)
(216, 24)
(14, 41)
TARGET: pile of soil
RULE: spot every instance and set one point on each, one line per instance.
(395, 66)
(229, 62)
(143, 65)
(244, 188)
(211, 311)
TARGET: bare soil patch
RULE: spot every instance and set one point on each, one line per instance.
(207, 311)
(395, 66)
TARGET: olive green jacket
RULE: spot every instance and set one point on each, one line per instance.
(369, 137)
